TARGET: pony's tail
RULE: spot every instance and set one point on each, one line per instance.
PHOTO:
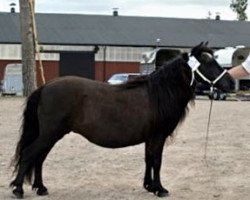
(29, 131)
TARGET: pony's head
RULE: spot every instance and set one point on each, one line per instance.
(210, 72)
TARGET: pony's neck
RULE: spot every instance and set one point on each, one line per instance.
(169, 97)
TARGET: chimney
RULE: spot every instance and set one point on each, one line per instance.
(209, 15)
(115, 12)
(217, 16)
(12, 7)
(158, 41)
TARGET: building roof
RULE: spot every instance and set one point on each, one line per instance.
(75, 29)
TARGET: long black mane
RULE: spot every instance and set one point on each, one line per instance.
(169, 92)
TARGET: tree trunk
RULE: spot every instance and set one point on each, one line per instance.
(28, 48)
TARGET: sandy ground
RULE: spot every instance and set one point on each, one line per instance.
(77, 169)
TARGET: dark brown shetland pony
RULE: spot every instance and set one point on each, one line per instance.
(144, 110)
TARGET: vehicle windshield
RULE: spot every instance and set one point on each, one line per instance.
(130, 77)
(119, 77)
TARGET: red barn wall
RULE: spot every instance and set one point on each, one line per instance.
(51, 69)
(113, 68)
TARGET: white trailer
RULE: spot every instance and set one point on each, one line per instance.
(154, 59)
(13, 80)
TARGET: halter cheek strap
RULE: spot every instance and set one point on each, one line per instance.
(194, 65)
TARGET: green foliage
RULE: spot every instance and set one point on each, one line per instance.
(239, 7)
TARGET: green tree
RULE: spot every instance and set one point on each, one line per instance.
(239, 7)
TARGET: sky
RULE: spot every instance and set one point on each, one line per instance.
(198, 9)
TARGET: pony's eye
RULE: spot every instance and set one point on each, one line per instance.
(240, 57)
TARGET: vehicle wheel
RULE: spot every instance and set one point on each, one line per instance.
(215, 95)
(223, 96)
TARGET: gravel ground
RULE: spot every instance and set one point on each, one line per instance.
(76, 169)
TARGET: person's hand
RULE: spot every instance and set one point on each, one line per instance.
(242, 70)
(246, 64)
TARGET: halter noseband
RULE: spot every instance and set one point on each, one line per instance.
(194, 65)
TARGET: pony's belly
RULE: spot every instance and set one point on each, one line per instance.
(114, 143)
(114, 137)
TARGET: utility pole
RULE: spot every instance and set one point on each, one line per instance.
(28, 47)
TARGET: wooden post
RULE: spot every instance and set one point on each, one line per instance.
(37, 46)
(28, 48)
(104, 63)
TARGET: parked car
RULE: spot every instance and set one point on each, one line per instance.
(121, 78)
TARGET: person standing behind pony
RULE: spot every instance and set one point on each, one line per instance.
(241, 70)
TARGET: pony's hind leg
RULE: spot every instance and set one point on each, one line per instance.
(54, 136)
(31, 157)
(38, 185)
(17, 184)
(28, 155)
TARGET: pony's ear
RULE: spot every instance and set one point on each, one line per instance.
(202, 47)
(185, 56)
(201, 44)
(197, 49)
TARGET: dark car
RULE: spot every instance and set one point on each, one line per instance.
(216, 94)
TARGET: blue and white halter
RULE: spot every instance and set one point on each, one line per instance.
(194, 65)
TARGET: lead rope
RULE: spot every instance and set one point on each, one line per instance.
(194, 65)
(207, 132)
(37, 46)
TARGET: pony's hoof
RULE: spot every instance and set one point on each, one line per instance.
(161, 192)
(42, 191)
(148, 187)
(18, 194)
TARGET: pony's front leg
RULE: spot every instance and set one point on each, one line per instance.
(153, 158)
(158, 189)
(148, 172)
